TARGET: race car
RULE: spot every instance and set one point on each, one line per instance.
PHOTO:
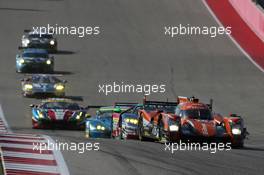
(35, 39)
(58, 113)
(104, 123)
(157, 121)
(44, 85)
(34, 60)
(198, 122)
(127, 127)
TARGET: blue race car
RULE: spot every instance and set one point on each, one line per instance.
(104, 123)
(34, 60)
(43, 84)
(58, 113)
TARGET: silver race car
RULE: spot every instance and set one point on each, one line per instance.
(44, 85)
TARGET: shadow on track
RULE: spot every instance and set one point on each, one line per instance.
(43, 97)
(74, 98)
(20, 9)
(251, 148)
(64, 52)
(63, 72)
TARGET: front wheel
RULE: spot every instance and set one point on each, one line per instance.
(161, 135)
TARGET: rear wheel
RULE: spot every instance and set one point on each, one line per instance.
(238, 144)
(141, 129)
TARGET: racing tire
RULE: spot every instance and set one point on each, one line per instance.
(161, 132)
(141, 130)
(239, 144)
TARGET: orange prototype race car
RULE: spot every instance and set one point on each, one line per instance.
(157, 121)
(198, 122)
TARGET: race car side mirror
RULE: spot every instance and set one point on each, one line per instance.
(32, 105)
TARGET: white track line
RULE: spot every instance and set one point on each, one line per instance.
(60, 160)
(232, 39)
(2, 117)
(28, 155)
(8, 135)
(39, 168)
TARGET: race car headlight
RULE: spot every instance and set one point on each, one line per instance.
(25, 42)
(28, 87)
(99, 127)
(52, 42)
(21, 61)
(48, 62)
(59, 87)
(236, 131)
(79, 116)
(40, 115)
(174, 128)
(131, 120)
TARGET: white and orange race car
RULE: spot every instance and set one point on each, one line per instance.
(198, 122)
(189, 119)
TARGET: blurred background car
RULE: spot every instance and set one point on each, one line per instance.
(32, 39)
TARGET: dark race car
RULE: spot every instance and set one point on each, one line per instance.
(199, 123)
(127, 127)
(58, 113)
(104, 124)
(44, 85)
(32, 39)
(157, 121)
(34, 60)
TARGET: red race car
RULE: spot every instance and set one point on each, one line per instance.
(199, 122)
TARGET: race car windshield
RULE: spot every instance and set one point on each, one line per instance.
(47, 36)
(61, 105)
(35, 55)
(52, 80)
(202, 114)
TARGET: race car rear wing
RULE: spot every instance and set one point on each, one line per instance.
(93, 107)
(125, 104)
(161, 103)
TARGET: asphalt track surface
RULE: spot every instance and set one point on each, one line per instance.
(132, 48)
